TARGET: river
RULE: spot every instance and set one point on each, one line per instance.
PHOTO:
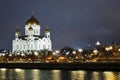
(36, 74)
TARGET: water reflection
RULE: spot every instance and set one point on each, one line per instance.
(96, 76)
(109, 76)
(36, 74)
(2, 73)
(78, 75)
(19, 74)
(56, 74)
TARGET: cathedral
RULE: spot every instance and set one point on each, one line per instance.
(32, 40)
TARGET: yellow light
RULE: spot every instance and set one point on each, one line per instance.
(61, 57)
(110, 47)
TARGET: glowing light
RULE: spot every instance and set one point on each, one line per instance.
(22, 54)
(3, 54)
(80, 50)
(56, 74)
(74, 52)
(98, 43)
(36, 53)
(18, 70)
(57, 51)
(18, 53)
(10, 55)
(108, 48)
(119, 50)
(3, 69)
(54, 53)
(95, 51)
(109, 75)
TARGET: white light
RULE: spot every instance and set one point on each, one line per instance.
(18, 70)
(80, 50)
(74, 52)
(107, 49)
(95, 51)
(18, 53)
(119, 50)
(22, 54)
(36, 53)
(3, 69)
(10, 54)
(54, 53)
(97, 43)
(3, 54)
(57, 51)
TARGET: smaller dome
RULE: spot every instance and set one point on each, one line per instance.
(30, 28)
(17, 31)
(47, 29)
(32, 20)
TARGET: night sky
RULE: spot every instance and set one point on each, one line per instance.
(73, 23)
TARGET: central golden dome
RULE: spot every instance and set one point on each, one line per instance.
(32, 20)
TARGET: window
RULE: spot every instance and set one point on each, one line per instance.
(44, 46)
(24, 46)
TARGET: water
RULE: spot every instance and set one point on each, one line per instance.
(36, 74)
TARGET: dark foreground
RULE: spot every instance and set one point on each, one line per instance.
(64, 66)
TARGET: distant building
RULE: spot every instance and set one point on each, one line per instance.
(32, 40)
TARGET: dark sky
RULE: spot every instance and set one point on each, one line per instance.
(74, 23)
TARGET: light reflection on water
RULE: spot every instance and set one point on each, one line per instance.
(96, 75)
(36, 74)
(78, 75)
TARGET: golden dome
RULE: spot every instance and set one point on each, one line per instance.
(18, 31)
(32, 20)
(47, 29)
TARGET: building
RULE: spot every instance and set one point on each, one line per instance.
(32, 40)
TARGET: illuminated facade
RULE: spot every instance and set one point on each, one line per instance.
(32, 40)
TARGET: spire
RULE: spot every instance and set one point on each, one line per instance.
(32, 12)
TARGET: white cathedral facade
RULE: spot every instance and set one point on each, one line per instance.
(32, 40)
